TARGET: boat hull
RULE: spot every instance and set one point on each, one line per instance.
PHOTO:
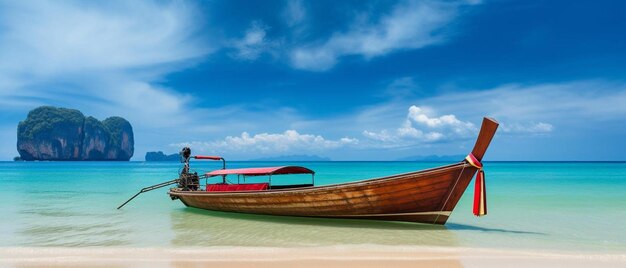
(427, 196)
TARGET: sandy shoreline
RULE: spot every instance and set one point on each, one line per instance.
(337, 256)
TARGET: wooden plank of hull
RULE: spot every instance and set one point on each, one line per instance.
(413, 197)
(428, 217)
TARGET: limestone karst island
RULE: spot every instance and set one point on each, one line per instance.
(61, 134)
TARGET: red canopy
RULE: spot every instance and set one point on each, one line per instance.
(260, 171)
(237, 187)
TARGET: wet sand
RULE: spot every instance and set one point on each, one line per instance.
(336, 256)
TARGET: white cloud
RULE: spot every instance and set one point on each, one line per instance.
(383, 135)
(537, 128)
(254, 43)
(421, 128)
(419, 116)
(407, 130)
(290, 141)
(410, 25)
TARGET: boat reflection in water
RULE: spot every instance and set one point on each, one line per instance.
(227, 239)
(197, 227)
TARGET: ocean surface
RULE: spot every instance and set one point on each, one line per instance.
(573, 207)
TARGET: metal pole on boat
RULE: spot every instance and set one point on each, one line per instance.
(224, 167)
(214, 158)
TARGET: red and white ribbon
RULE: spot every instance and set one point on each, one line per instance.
(480, 191)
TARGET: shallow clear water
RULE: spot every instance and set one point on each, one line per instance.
(552, 206)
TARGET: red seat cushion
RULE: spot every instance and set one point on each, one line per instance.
(237, 187)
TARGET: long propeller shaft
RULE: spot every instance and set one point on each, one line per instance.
(150, 188)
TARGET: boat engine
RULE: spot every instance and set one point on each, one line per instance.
(187, 181)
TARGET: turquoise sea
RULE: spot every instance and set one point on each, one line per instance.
(573, 207)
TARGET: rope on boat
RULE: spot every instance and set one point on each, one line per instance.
(451, 191)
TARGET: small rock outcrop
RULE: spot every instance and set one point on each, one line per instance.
(51, 133)
(160, 156)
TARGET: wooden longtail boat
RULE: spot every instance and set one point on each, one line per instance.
(427, 196)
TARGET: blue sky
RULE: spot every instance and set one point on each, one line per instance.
(349, 80)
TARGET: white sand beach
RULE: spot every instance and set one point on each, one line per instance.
(336, 256)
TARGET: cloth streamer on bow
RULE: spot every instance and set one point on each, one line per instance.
(480, 191)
